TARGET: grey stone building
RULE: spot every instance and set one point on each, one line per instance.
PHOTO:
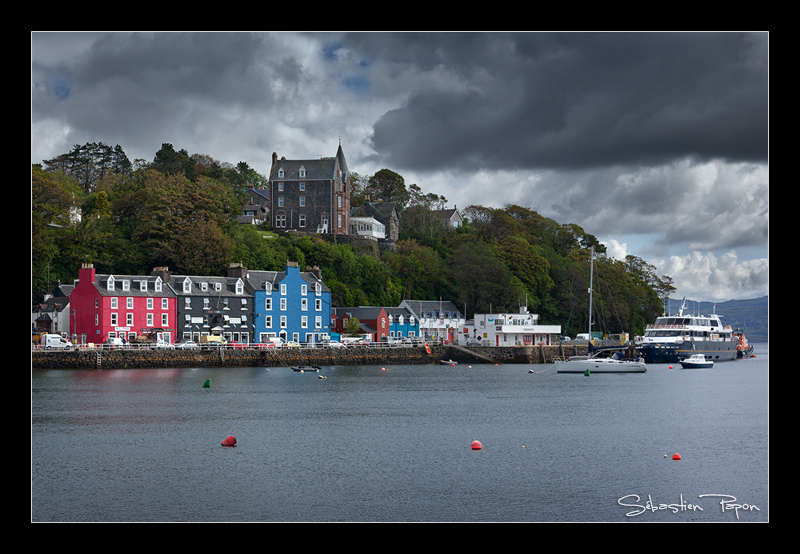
(310, 195)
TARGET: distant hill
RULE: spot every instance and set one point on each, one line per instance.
(750, 315)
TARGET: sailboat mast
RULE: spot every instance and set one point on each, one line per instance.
(591, 286)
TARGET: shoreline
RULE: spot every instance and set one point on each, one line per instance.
(283, 357)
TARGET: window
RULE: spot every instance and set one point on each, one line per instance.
(318, 322)
(164, 304)
(187, 286)
(143, 285)
(268, 322)
(149, 320)
(281, 173)
(129, 319)
(165, 320)
(318, 305)
(126, 285)
(302, 200)
(239, 287)
(159, 282)
(149, 303)
(110, 283)
(114, 303)
(304, 304)
(187, 302)
(268, 304)
(302, 171)
(302, 220)
(304, 322)
(283, 289)
(280, 220)
(303, 289)
(283, 322)
(280, 201)
(268, 287)
(113, 319)
(302, 185)
(283, 304)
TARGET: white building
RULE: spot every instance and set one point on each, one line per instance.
(509, 329)
(367, 227)
(439, 321)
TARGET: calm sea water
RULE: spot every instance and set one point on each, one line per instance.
(394, 444)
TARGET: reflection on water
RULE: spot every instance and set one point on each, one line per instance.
(393, 444)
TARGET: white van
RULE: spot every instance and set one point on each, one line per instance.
(54, 341)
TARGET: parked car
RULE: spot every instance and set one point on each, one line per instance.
(334, 344)
(291, 344)
(162, 344)
(187, 345)
(390, 341)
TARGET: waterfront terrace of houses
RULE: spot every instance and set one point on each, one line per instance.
(244, 306)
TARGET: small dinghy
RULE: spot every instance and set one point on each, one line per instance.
(304, 368)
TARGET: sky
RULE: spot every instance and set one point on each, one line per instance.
(656, 143)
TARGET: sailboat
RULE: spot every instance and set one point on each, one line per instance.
(592, 363)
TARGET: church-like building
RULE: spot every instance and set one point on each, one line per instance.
(310, 195)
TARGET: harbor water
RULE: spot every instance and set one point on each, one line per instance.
(394, 444)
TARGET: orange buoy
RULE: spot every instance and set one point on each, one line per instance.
(476, 445)
(230, 441)
(676, 456)
(427, 348)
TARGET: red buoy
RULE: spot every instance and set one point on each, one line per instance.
(676, 456)
(476, 445)
(230, 441)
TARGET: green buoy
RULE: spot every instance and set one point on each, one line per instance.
(586, 374)
(207, 384)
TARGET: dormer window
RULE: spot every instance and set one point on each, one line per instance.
(110, 283)
(218, 286)
(281, 173)
(268, 287)
(159, 282)
(143, 285)
(239, 287)
(126, 284)
(187, 286)
(302, 171)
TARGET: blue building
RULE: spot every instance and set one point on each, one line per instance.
(291, 304)
(402, 323)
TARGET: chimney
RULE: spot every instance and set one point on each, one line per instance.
(162, 272)
(237, 269)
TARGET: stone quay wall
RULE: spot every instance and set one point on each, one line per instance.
(126, 358)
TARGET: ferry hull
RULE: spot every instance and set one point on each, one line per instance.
(674, 353)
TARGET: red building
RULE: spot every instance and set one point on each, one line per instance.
(121, 306)
(374, 322)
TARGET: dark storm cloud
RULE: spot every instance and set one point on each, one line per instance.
(574, 100)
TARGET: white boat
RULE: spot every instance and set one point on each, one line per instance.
(594, 364)
(675, 337)
(696, 361)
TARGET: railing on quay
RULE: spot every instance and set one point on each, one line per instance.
(233, 346)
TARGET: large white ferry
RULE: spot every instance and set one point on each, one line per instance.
(673, 338)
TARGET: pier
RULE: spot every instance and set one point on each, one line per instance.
(133, 358)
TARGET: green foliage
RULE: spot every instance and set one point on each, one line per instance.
(181, 210)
